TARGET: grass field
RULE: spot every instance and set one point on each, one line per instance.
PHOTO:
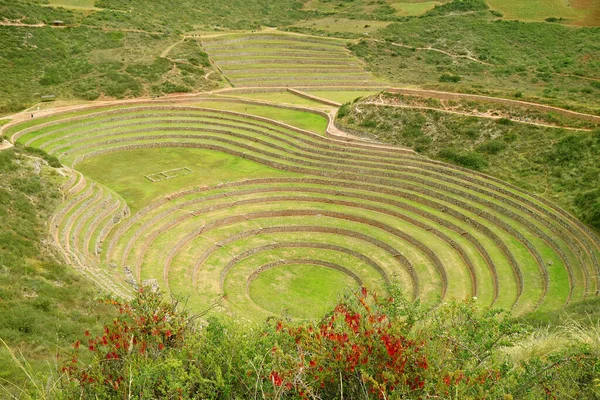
(266, 59)
(76, 5)
(127, 176)
(499, 140)
(300, 290)
(309, 121)
(341, 96)
(266, 213)
(281, 98)
(538, 10)
(335, 24)
(470, 53)
(414, 8)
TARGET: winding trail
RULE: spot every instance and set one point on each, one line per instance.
(166, 52)
(5, 145)
(429, 48)
(466, 114)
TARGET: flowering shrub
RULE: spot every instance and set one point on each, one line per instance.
(145, 329)
(369, 346)
(357, 349)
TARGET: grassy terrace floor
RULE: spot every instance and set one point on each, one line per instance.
(276, 59)
(267, 210)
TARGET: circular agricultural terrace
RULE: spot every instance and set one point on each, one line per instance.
(210, 200)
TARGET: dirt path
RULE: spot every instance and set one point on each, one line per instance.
(466, 114)
(433, 49)
(471, 58)
(476, 97)
(587, 78)
(277, 31)
(16, 23)
(209, 73)
(314, 98)
(165, 53)
(5, 145)
(331, 128)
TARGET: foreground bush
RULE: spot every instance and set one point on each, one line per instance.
(370, 346)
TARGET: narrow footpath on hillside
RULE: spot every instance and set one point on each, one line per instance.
(478, 115)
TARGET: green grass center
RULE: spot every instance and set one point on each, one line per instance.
(301, 291)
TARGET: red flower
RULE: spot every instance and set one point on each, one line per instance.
(275, 378)
(76, 344)
(447, 380)
(161, 346)
(87, 333)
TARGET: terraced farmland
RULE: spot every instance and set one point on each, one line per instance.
(277, 218)
(275, 60)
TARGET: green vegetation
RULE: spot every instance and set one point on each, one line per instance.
(300, 290)
(383, 346)
(88, 63)
(216, 224)
(559, 164)
(539, 10)
(304, 120)
(280, 98)
(44, 305)
(192, 51)
(271, 60)
(339, 95)
(127, 176)
(458, 6)
(491, 57)
(248, 207)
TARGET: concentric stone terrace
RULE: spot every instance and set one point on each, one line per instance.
(270, 210)
(270, 60)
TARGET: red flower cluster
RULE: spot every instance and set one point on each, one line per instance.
(142, 329)
(356, 339)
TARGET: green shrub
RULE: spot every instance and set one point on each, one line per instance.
(470, 160)
(383, 346)
(492, 147)
(150, 72)
(588, 204)
(458, 6)
(568, 149)
(50, 159)
(447, 77)
(169, 87)
(344, 110)
(368, 123)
